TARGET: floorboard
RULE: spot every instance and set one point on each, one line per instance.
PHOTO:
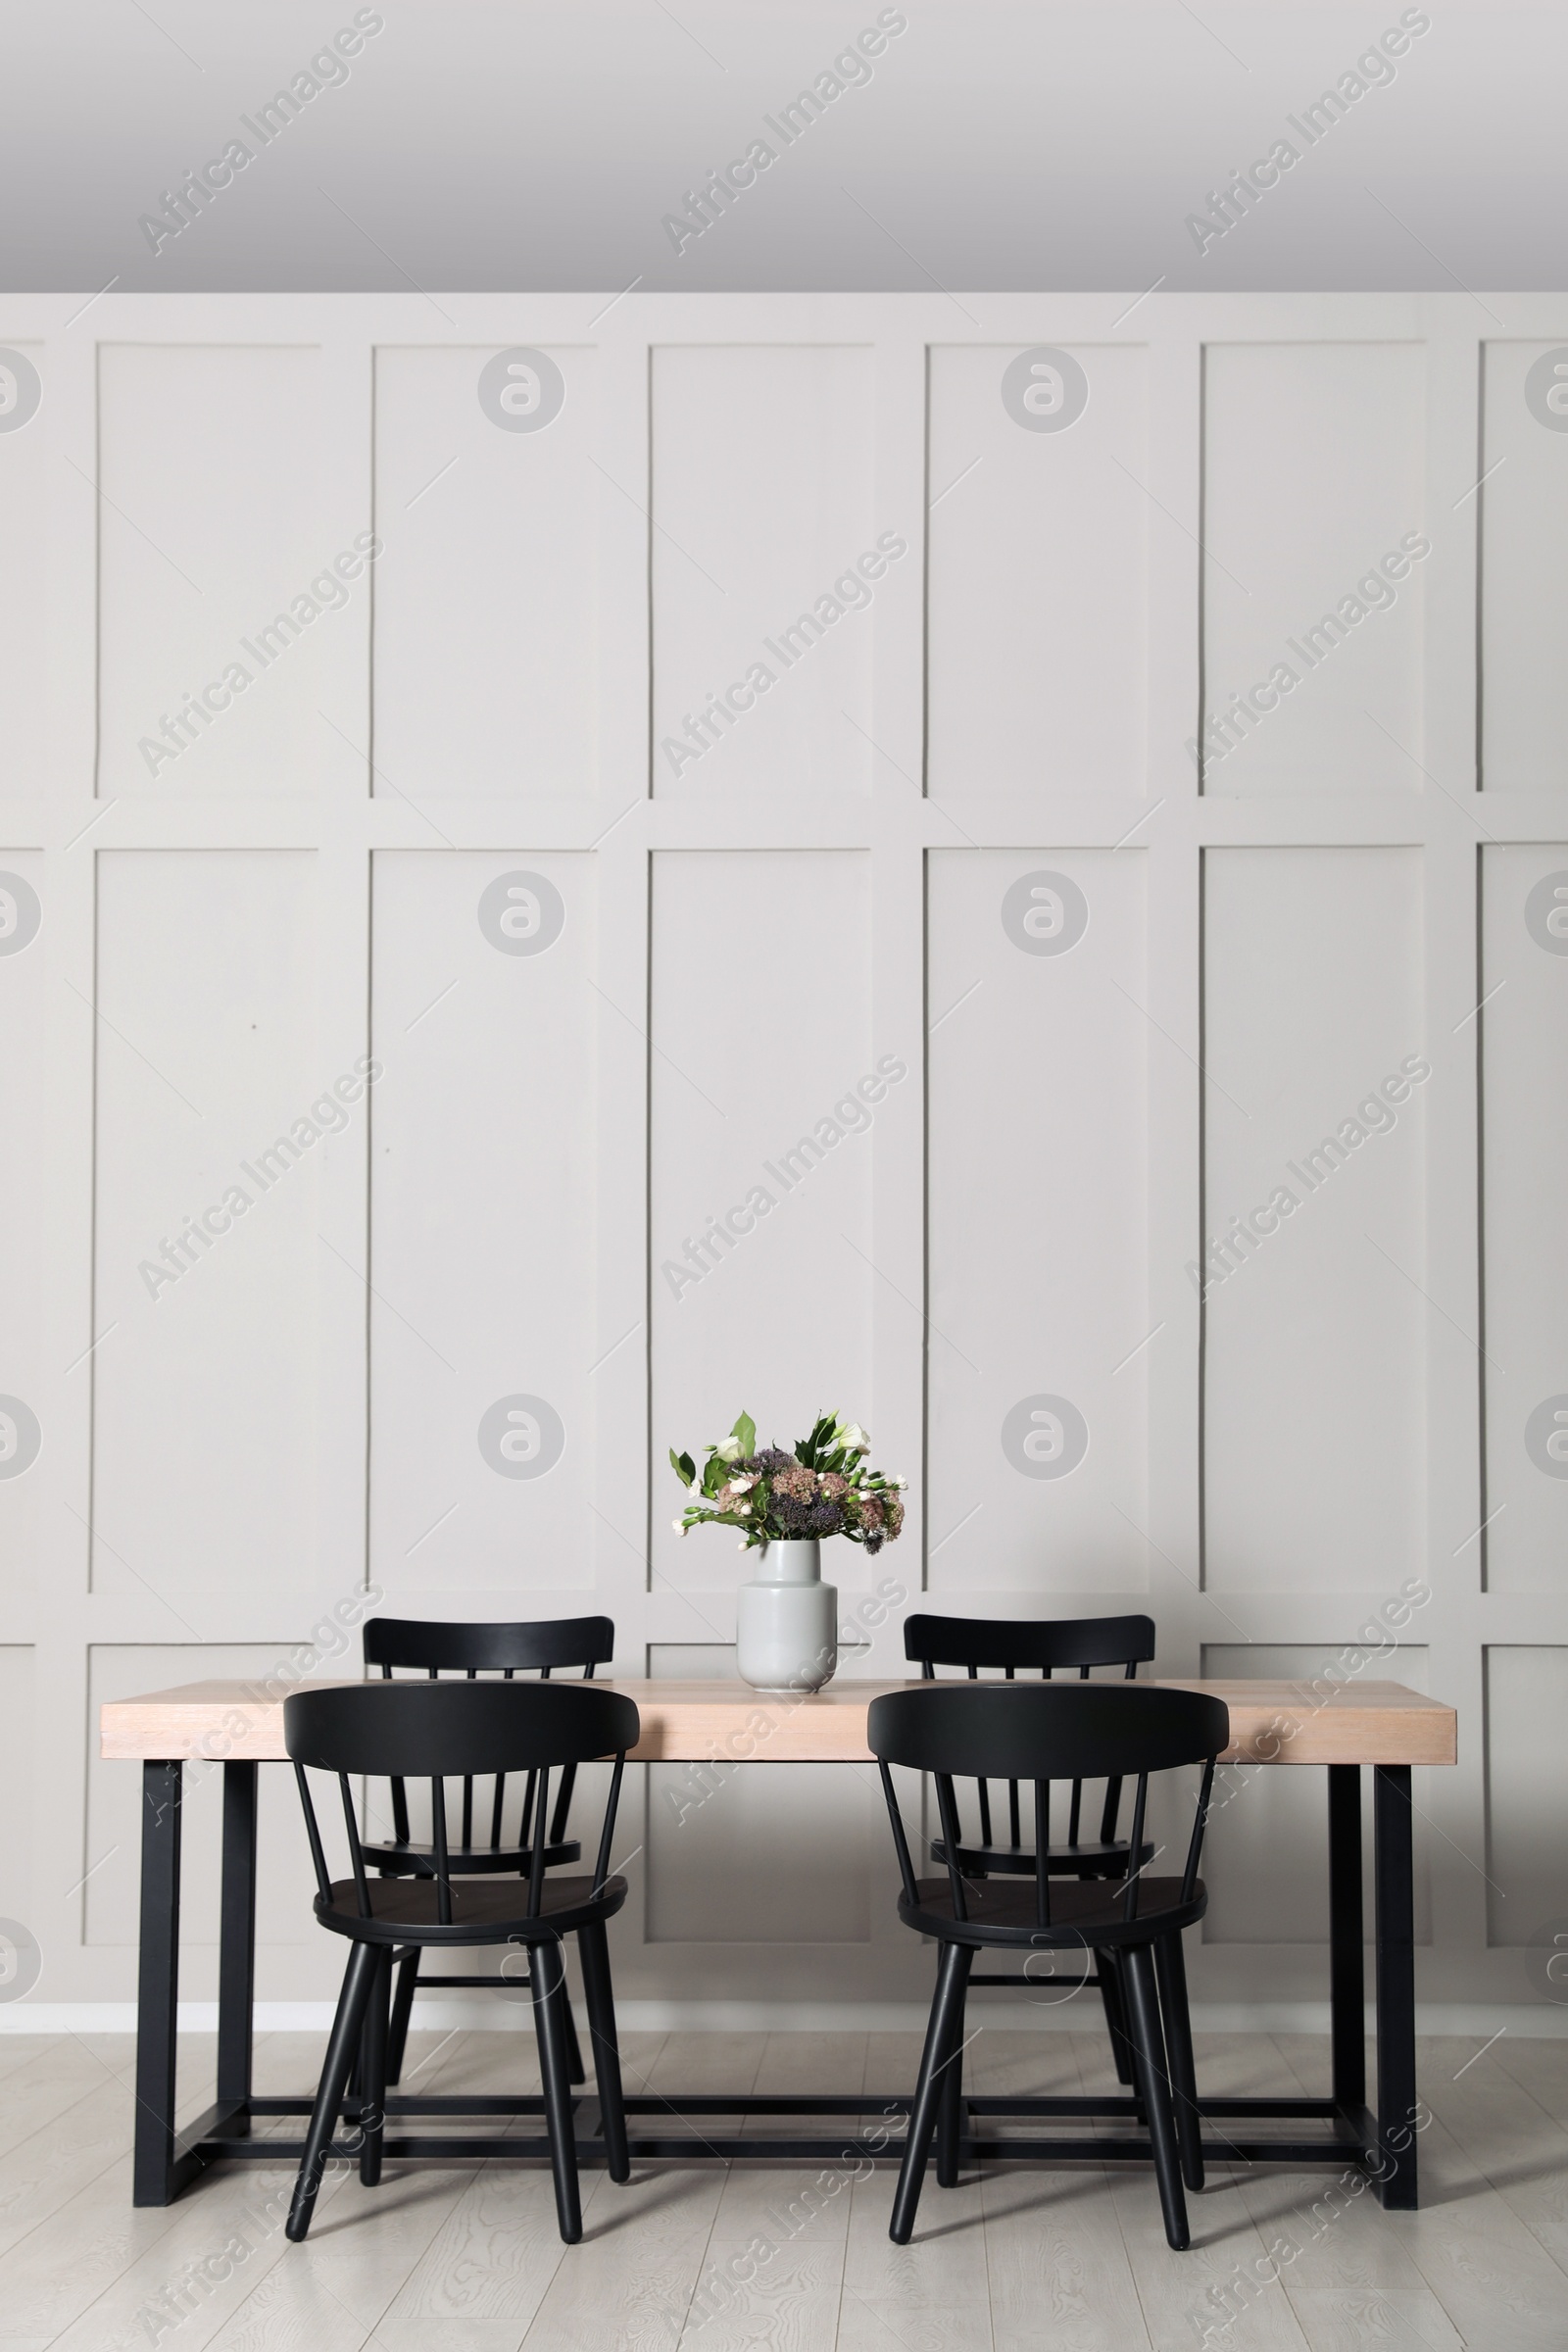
(788, 2256)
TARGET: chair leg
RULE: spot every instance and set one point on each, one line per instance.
(1116, 2015)
(574, 2067)
(547, 1965)
(593, 1947)
(950, 2104)
(358, 1980)
(953, 1977)
(1170, 1971)
(401, 2010)
(372, 2072)
(1143, 2005)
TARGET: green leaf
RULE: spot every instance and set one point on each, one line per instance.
(685, 1467)
(714, 1473)
(746, 1430)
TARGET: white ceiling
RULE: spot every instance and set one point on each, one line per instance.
(502, 144)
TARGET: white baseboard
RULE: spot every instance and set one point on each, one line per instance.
(1533, 2021)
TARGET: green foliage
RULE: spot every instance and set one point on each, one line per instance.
(813, 1450)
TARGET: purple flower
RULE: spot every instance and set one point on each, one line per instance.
(809, 1517)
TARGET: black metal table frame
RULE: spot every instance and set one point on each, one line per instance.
(1382, 2146)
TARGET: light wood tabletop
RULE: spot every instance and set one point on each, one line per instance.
(698, 1722)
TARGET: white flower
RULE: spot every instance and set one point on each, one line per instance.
(899, 1482)
(853, 1437)
(744, 1485)
(742, 1510)
(680, 1527)
(728, 1449)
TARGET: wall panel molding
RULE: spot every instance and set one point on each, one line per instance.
(560, 1105)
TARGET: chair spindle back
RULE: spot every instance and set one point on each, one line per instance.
(1004, 1644)
(432, 1648)
(1067, 1731)
(437, 1731)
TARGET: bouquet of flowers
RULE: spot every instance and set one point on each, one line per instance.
(824, 1487)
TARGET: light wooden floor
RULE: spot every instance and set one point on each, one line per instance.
(465, 2259)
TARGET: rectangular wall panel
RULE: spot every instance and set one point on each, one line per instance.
(1314, 1390)
(225, 571)
(767, 1091)
(486, 597)
(1524, 565)
(769, 554)
(1038, 1297)
(25, 1186)
(1037, 588)
(29, 1896)
(23, 574)
(1527, 1763)
(1266, 1851)
(1315, 545)
(216, 1109)
(1524, 927)
(484, 1015)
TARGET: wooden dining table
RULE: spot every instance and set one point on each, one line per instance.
(1343, 1728)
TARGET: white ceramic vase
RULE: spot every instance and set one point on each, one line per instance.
(786, 1619)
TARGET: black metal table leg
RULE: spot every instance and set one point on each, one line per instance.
(1347, 1962)
(236, 1964)
(158, 1983)
(1396, 1980)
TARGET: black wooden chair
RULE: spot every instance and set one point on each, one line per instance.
(1075, 1730)
(1004, 1644)
(436, 1732)
(436, 1649)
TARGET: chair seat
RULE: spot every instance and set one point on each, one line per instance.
(1083, 1912)
(485, 1910)
(405, 1857)
(1089, 1858)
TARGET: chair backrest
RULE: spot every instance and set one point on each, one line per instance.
(437, 1646)
(1036, 1643)
(434, 1647)
(1068, 1731)
(1005, 1644)
(441, 1731)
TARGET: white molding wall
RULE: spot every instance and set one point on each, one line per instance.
(730, 918)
